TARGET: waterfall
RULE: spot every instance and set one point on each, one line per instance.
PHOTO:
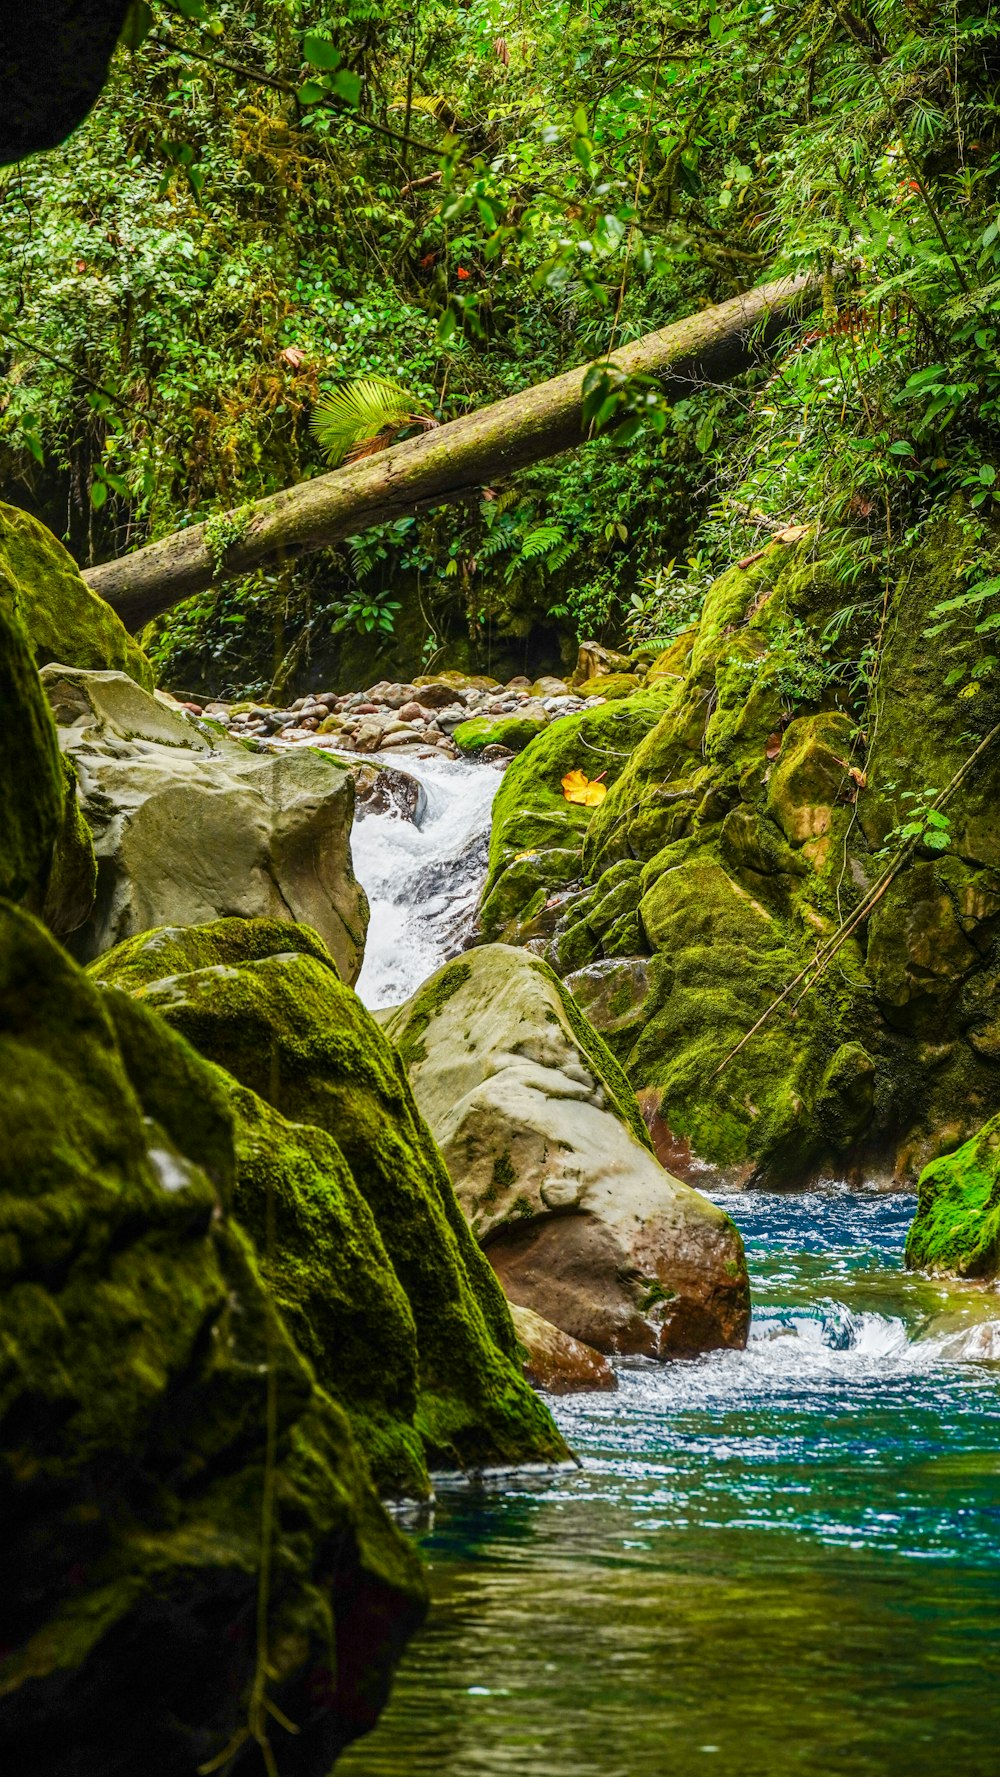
(422, 876)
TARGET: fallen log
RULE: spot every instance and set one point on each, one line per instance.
(450, 462)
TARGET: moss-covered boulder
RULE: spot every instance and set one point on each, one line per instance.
(552, 1165)
(46, 854)
(956, 1228)
(32, 789)
(65, 621)
(513, 732)
(536, 844)
(140, 1369)
(735, 847)
(286, 1028)
(611, 686)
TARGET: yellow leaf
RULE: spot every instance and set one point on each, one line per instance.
(577, 787)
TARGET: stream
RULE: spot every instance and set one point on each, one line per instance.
(785, 1560)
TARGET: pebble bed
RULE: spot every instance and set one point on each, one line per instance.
(391, 716)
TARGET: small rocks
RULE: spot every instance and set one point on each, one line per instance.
(394, 716)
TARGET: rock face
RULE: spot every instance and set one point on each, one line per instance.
(957, 1225)
(429, 1347)
(739, 835)
(551, 1164)
(138, 1368)
(189, 825)
(64, 620)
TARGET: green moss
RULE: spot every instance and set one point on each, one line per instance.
(428, 1002)
(511, 731)
(32, 786)
(611, 686)
(957, 1225)
(138, 1349)
(176, 950)
(286, 1028)
(72, 882)
(64, 620)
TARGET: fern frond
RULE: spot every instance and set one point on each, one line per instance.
(560, 557)
(365, 415)
(541, 540)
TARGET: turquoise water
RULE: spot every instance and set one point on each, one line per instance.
(785, 1560)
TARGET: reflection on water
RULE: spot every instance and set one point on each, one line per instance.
(786, 1560)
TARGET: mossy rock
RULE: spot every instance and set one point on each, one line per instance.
(65, 621)
(610, 686)
(32, 786)
(285, 1027)
(140, 1366)
(957, 1225)
(531, 815)
(513, 732)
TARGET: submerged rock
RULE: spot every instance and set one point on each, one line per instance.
(64, 619)
(188, 825)
(551, 1162)
(262, 1001)
(139, 1368)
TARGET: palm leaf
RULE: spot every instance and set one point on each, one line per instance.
(365, 415)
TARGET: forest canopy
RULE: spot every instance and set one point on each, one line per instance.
(271, 202)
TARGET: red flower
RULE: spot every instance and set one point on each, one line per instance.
(462, 273)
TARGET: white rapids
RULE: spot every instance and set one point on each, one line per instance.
(422, 877)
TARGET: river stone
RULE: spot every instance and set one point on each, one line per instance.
(551, 1162)
(189, 825)
(554, 1361)
(134, 1391)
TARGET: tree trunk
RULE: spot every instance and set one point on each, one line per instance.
(452, 461)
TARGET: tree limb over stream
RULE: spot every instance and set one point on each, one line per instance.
(715, 345)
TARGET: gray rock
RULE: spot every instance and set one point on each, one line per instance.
(189, 826)
(550, 1160)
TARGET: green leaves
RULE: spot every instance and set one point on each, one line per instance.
(333, 81)
(364, 416)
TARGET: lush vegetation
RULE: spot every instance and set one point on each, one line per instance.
(275, 199)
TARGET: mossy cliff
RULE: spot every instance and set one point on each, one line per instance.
(286, 1028)
(957, 1225)
(65, 621)
(746, 826)
(134, 1373)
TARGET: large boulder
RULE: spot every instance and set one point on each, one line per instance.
(151, 1402)
(189, 826)
(551, 1162)
(262, 1001)
(64, 619)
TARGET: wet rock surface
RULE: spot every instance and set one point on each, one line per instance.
(550, 1159)
(188, 825)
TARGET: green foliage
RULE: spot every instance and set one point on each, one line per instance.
(364, 415)
(271, 202)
